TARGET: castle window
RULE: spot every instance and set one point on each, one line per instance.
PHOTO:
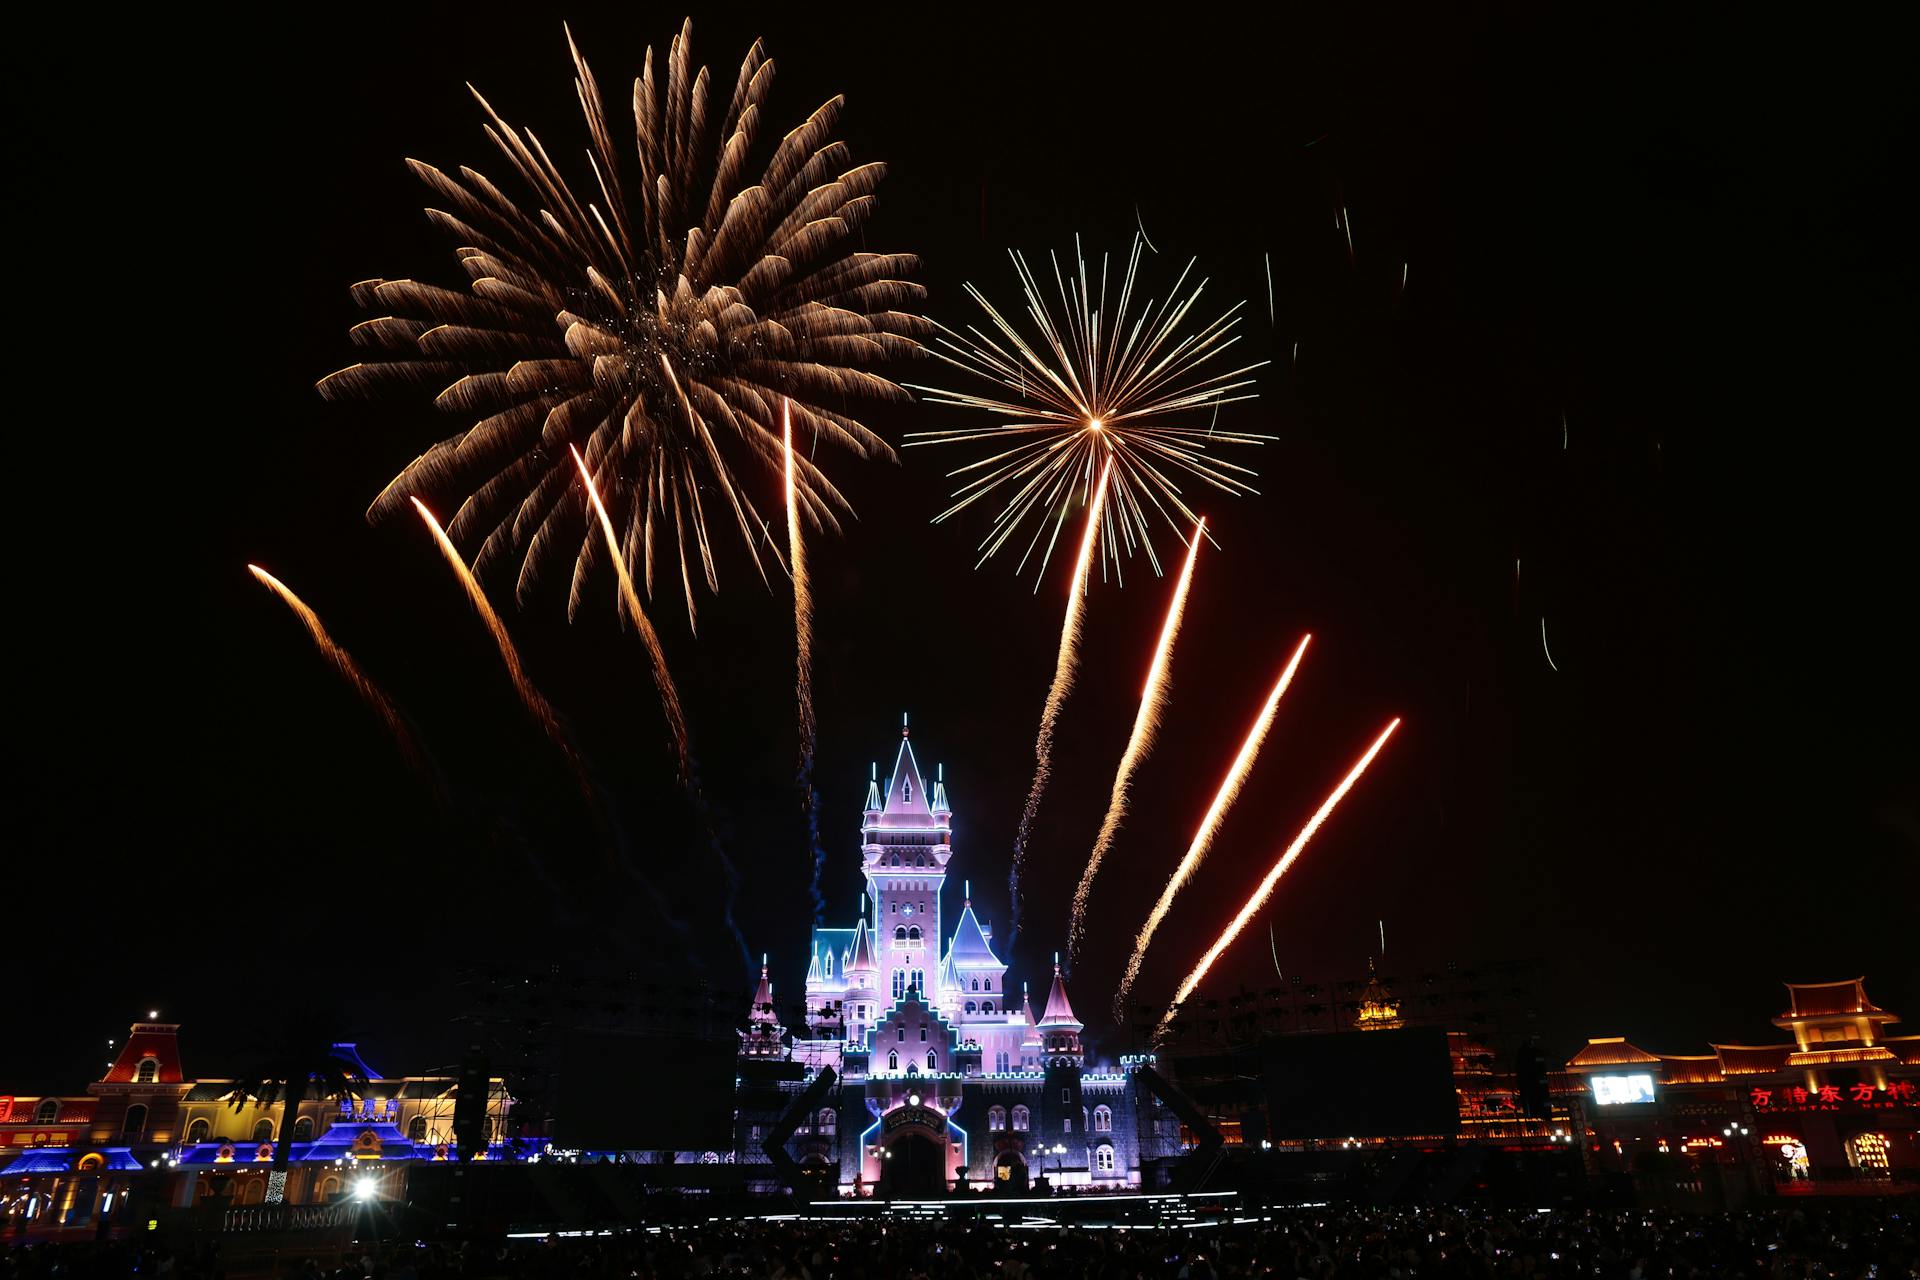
(1066, 1124)
(263, 1131)
(893, 1060)
(902, 1031)
(1066, 1095)
(1103, 1119)
(1103, 1159)
(986, 1006)
(899, 983)
(47, 1112)
(913, 933)
(933, 1061)
(148, 1072)
(996, 1117)
(989, 983)
(135, 1122)
(1000, 1062)
(826, 1121)
(198, 1130)
(923, 1033)
(900, 933)
(416, 1129)
(969, 1006)
(1020, 1117)
(303, 1129)
(976, 985)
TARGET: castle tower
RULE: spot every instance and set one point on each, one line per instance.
(763, 1036)
(906, 841)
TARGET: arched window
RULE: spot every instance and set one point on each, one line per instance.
(303, 1129)
(47, 1112)
(996, 1119)
(975, 986)
(899, 983)
(135, 1122)
(986, 1006)
(417, 1129)
(900, 933)
(829, 964)
(263, 1131)
(913, 933)
(969, 1006)
(1103, 1119)
(1020, 1119)
(826, 1121)
(1103, 1159)
(893, 1060)
(989, 982)
(933, 1061)
(198, 1130)
(148, 1071)
(329, 1188)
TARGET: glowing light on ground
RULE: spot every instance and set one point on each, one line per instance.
(1265, 890)
(1146, 723)
(350, 671)
(1223, 798)
(657, 656)
(1064, 666)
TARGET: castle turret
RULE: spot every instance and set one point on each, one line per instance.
(1059, 1029)
(763, 1036)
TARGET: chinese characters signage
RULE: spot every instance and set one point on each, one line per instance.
(1835, 1097)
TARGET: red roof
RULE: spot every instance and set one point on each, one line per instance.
(1828, 1000)
(1691, 1069)
(1752, 1059)
(1610, 1051)
(157, 1040)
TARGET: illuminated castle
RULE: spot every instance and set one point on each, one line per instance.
(929, 1037)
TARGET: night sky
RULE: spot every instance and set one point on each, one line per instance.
(1690, 244)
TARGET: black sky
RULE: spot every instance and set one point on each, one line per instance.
(1691, 242)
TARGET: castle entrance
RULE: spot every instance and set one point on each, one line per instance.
(914, 1167)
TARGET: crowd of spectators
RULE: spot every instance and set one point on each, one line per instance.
(1845, 1242)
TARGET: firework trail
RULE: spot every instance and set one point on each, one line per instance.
(1146, 723)
(1209, 827)
(535, 702)
(350, 671)
(1261, 894)
(1063, 669)
(1110, 380)
(803, 669)
(653, 315)
(662, 678)
(1551, 664)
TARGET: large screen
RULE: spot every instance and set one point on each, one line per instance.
(621, 1092)
(1360, 1084)
(1612, 1091)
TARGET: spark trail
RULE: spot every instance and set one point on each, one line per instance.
(657, 656)
(535, 702)
(1063, 669)
(350, 671)
(803, 667)
(1146, 723)
(1203, 836)
(1265, 891)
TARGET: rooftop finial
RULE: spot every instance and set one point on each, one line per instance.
(903, 724)
(966, 893)
(1056, 962)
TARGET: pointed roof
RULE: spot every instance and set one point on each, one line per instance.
(157, 1040)
(1610, 1051)
(873, 788)
(1058, 1012)
(940, 804)
(762, 1010)
(970, 948)
(861, 958)
(906, 803)
(813, 965)
(1831, 999)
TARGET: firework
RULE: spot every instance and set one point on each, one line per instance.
(350, 671)
(535, 702)
(1261, 894)
(654, 319)
(662, 678)
(803, 663)
(1108, 382)
(1210, 823)
(1063, 669)
(1146, 723)
(1551, 664)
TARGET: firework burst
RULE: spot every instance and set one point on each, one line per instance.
(653, 317)
(1110, 379)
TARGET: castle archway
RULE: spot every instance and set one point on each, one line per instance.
(915, 1167)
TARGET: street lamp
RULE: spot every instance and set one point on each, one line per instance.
(1059, 1152)
(1737, 1133)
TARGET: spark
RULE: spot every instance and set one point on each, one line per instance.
(1543, 646)
(1563, 431)
(1209, 827)
(1383, 938)
(651, 310)
(1274, 946)
(1109, 380)
(662, 678)
(351, 672)
(1063, 669)
(531, 698)
(1146, 723)
(1346, 224)
(1270, 312)
(803, 662)
(1141, 223)
(1265, 889)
